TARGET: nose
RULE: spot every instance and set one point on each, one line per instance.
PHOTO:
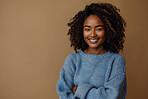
(93, 33)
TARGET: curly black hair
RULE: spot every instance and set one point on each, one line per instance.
(114, 26)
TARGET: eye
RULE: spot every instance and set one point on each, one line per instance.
(99, 29)
(87, 29)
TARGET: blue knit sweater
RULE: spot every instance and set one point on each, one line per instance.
(97, 76)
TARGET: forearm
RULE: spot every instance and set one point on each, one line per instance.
(111, 90)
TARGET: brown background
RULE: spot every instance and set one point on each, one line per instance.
(34, 44)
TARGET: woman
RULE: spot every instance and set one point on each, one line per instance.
(97, 70)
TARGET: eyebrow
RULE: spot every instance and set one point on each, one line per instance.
(95, 26)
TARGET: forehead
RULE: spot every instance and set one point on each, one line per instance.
(93, 20)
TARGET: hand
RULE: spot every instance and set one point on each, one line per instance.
(74, 89)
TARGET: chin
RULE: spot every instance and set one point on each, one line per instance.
(93, 46)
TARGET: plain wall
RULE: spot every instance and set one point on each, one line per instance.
(34, 45)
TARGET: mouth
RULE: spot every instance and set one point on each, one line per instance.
(93, 40)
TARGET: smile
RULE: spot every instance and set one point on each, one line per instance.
(93, 40)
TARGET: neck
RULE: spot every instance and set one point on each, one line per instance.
(97, 51)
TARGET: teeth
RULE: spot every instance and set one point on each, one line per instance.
(93, 39)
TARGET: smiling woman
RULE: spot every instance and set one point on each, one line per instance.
(97, 70)
(114, 26)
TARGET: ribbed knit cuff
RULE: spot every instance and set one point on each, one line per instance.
(82, 90)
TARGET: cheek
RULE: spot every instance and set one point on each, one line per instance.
(85, 34)
(102, 34)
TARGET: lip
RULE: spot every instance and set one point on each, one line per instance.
(93, 41)
(92, 38)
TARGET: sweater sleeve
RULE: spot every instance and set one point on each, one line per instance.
(112, 89)
(66, 79)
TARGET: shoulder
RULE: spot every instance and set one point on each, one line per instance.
(73, 56)
(118, 58)
(118, 63)
(71, 61)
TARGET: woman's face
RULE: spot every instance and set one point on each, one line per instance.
(93, 31)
